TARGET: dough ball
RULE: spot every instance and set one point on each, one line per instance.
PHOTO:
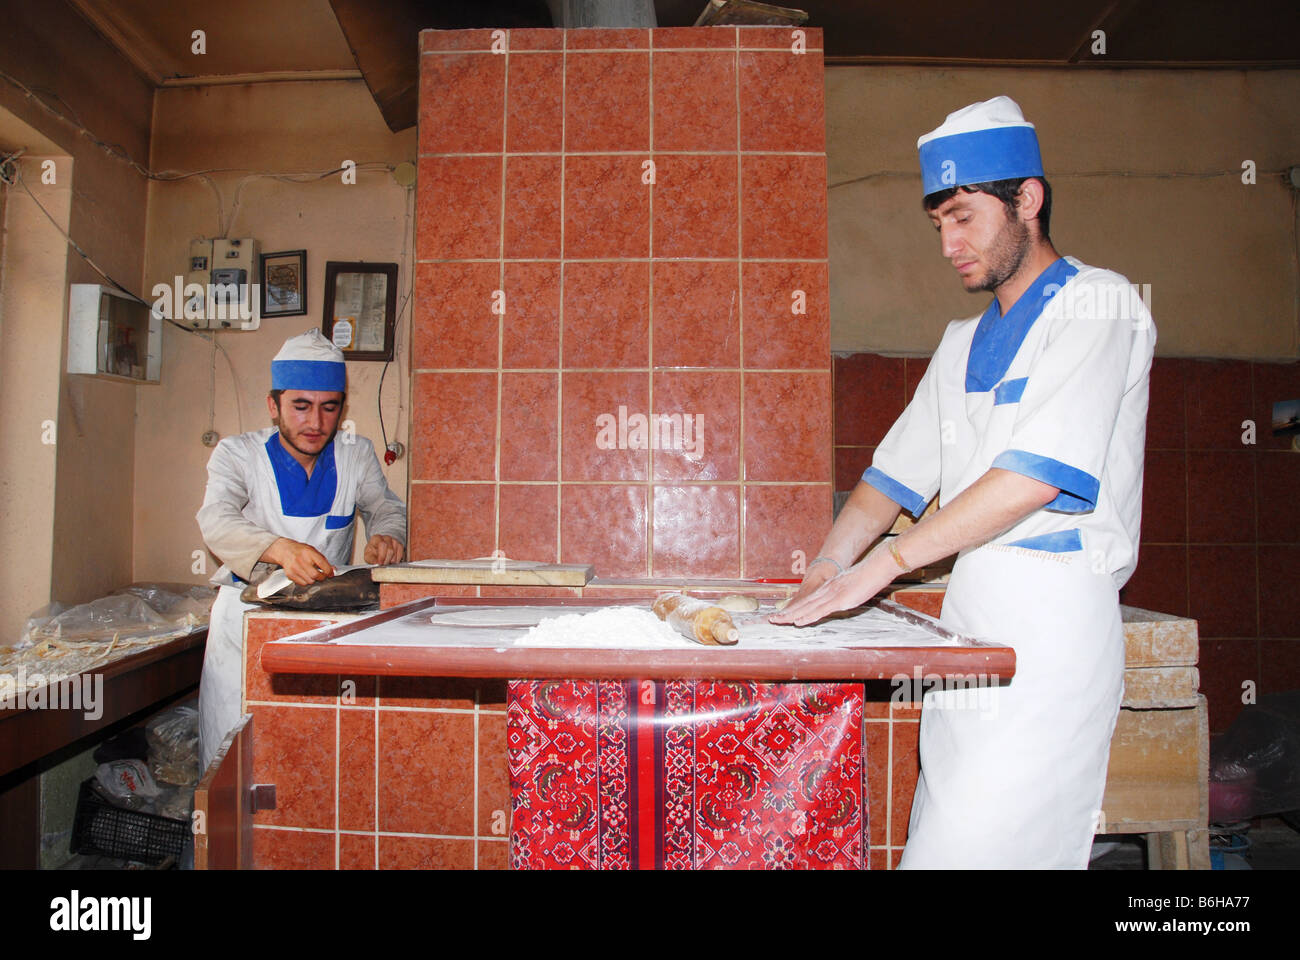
(736, 603)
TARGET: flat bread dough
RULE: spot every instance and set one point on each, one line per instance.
(736, 603)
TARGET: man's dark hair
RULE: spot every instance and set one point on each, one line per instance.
(1004, 190)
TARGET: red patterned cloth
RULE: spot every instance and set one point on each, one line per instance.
(686, 775)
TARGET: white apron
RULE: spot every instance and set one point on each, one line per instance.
(331, 532)
(1056, 390)
(1013, 776)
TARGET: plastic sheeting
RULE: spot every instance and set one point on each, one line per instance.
(1255, 766)
(135, 611)
(61, 642)
(683, 775)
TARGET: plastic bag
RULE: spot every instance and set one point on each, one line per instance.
(139, 610)
(175, 802)
(174, 745)
(173, 732)
(127, 783)
(174, 599)
(1255, 766)
(34, 623)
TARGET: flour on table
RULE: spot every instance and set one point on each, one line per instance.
(607, 627)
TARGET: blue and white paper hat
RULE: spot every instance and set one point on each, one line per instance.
(986, 141)
(309, 362)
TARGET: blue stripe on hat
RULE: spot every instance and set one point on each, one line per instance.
(309, 375)
(981, 156)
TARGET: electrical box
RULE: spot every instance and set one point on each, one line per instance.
(233, 301)
(113, 335)
(198, 273)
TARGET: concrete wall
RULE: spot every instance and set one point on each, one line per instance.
(76, 541)
(289, 128)
(1219, 255)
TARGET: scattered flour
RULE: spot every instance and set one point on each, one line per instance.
(606, 627)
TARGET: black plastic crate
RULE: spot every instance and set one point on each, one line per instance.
(102, 829)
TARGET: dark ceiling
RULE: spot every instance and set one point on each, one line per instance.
(1138, 33)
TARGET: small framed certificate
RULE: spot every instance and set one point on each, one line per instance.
(284, 283)
(361, 308)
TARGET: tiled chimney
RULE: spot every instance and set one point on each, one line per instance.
(621, 341)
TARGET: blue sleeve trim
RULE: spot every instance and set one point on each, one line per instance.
(905, 497)
(338, 523)
(1062, 541)
(1009, 391)
(1078, 488)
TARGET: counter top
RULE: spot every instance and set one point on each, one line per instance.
(880, 642)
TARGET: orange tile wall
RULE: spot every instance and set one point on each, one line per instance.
(556, 284)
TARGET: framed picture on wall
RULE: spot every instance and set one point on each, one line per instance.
(361, 308)
(284, 283)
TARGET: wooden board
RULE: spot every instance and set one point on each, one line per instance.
(1151, 687)
(509, 572)
(1156, 780)
(223, 818)
(1158, 639)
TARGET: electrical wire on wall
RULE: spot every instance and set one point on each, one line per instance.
(19, 181)
(390, 456)
(225, 222)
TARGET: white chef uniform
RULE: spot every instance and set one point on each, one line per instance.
(1055, 390)
(257, 493)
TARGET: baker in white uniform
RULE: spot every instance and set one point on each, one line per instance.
(286, 496)
(1029, 424)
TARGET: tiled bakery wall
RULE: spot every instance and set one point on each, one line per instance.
(1220, 515)
(615, 224)
(376, 772)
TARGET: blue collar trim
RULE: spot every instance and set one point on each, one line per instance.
(998, 338)
(300, 496)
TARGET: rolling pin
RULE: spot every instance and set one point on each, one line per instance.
(696, 619)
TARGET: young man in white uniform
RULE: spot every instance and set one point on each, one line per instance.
(286, 496)
(1029, 424)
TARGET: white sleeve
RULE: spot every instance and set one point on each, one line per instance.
(238, 542)
(382, 510)
(906, 467)
(1073, 392)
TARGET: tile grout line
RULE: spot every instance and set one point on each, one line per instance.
(1254, 468)
(338, 785)
(889, 793)
(559, 373)
(625, 482)
(474, 828)
(501, 316)
(650, 331)
(374, 814)
(741, 472)
(673, 369)
(777, 260)
(501, 363)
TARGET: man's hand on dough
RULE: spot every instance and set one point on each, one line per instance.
(381, 550)
(852, 588)
(302, 563)
(813, 578)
